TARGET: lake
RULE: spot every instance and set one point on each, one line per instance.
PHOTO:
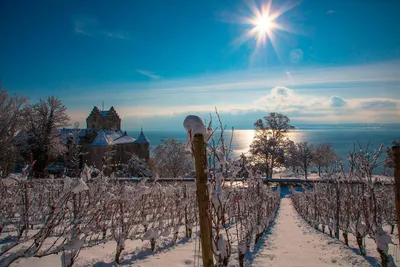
(340, 136)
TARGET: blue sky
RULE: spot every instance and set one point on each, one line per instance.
(158, 61)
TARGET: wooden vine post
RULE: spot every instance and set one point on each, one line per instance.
(203, 200)
(337, 234)
(396, 161)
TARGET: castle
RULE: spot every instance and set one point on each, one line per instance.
(103, 134)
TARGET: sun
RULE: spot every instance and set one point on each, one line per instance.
(263, 24)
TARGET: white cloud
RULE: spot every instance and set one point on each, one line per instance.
(281, 92)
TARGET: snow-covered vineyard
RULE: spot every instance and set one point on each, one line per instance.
(105, 222)
(70, 217)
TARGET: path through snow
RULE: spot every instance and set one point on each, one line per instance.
(294, 243)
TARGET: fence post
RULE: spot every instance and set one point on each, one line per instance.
(396, 167)
(337, 234)
(203, 200)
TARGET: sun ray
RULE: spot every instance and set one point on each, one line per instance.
(265, 23)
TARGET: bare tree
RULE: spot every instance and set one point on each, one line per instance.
(305, 155)
(10, 124)
(324, 156)
(42, 137)
(291, 157)
(170, 159)
(270, 140)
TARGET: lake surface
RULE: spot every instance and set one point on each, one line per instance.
(341, 136)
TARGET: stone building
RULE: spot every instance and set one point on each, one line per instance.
(103, 139)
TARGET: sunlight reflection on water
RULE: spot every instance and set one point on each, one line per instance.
(243, 138)
(341, 138)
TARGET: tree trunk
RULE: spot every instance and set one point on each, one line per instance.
(305, 171)
(337, 211)
(118, 254)
(391, 229)
(346, 238)
(241, 260)
(360, 244)
(186, 213)
(384, 258)
(175, 237)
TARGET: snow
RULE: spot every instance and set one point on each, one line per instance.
(86, 174)
(125, 139)
(75, 244)
(383, 240)
(103, 138)
(293, 242)
(78, 186)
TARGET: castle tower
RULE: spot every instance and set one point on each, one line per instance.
(104, 119)
(142, 146)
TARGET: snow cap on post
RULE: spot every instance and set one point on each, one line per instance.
(195, 125)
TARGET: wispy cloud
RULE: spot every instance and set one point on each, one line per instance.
(78, 30)
(149, 74)
(118, 35)
(90, 27)
(330, 11)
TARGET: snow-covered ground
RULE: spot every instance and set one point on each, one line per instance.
(293, 242)
(290, 242)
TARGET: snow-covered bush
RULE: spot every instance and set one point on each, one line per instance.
(135, 167)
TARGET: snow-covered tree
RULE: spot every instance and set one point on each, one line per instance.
(41, 136)
(171, 159)
(73, 159)
(135, 167)
(10, 123)
(270, 140)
